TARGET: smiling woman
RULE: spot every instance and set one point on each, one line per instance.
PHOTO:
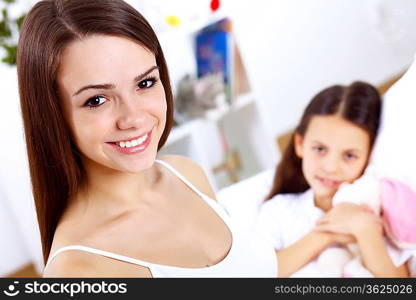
(115, 112)
(97, 106)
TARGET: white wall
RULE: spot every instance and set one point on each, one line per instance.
(291, 48)
(19, 233)
(18, 226)
(13, 249)
(294, 48)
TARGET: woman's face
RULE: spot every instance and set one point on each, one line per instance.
(114, 102)
(333, 151)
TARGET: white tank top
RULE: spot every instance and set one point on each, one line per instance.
(249, 256)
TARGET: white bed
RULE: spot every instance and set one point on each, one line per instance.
(243, 199)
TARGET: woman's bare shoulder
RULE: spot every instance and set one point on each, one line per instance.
(192, 172)
(84, 264)
(71, 264)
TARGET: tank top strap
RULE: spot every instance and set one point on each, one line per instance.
(99, 252)
(181, 177)
(220, 210)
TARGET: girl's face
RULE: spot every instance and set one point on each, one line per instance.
(113, 101)
(333, 151)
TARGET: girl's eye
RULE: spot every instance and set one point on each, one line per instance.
(147, 83)
(95, 102)
(350, 156)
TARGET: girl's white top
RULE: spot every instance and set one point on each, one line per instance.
(286, 218)
(250, 255)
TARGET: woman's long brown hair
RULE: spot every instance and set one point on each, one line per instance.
(358, 103)
(56, 170)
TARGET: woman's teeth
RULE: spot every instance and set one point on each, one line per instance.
(132, 143)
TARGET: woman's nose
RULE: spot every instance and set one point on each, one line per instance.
(130, 115)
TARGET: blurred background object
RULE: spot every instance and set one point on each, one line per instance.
(195, 96)
(10, 24)
(277, 55)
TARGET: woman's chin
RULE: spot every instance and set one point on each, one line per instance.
(133, 167)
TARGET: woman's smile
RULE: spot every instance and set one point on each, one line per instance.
(134, 145)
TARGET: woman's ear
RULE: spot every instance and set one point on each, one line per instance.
(298, 142)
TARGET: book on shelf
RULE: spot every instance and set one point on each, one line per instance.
(217, 52)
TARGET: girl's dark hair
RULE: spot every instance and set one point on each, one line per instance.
(358, 103)
(55, 169)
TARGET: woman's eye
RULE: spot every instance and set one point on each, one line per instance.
(95, 101)
(147, 83)
(319, 149)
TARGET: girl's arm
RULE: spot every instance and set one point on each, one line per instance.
(305, 250)
(274, 218)
(367, 229)
(374, 254)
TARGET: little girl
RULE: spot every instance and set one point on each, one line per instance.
(331, 145)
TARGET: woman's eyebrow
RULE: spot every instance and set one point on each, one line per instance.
(318, 142)
(108, 86)
(141, 76)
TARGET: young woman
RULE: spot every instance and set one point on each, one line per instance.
(97, 106)
(331, 145)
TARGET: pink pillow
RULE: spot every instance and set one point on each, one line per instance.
(398, 206)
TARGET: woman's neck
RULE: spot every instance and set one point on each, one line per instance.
(108, 189)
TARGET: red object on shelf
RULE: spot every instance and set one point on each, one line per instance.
(215, 4)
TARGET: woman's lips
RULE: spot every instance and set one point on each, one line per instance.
(134, 149)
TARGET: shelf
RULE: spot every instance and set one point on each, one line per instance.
(182, 131)
(240, 102)
(186, 129)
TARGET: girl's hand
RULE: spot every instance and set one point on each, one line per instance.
(342, 239)
(335, 238)
(349, 218)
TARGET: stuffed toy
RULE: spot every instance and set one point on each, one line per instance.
(195, 96)
(395, 202)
